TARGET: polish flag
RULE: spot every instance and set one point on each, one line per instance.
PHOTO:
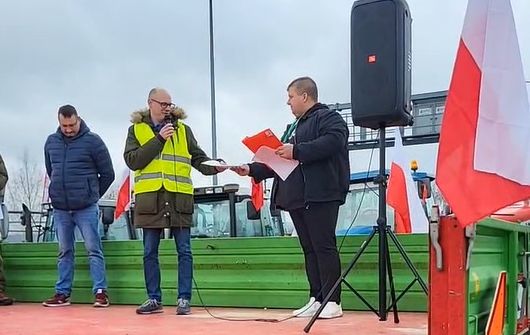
(484, 157)
(123, 200)
(402, 194)
(257, 194)
(46, 185)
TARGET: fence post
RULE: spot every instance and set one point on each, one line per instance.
(448, 286)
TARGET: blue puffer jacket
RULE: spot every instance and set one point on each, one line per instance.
(80, 168)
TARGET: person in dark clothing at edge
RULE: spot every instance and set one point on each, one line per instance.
(161, 150)
(314, 191)
(80, 170)
(5, 300)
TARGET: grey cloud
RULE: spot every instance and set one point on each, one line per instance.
(104, 56)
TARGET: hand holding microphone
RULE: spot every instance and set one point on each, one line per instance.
(167, 131)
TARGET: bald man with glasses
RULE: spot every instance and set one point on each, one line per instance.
(161, 150)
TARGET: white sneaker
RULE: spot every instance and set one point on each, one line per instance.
(308, 310)
(330, 311)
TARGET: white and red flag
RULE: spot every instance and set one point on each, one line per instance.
(484, 157)
(123, 200)
(45, 187)
(402, 194)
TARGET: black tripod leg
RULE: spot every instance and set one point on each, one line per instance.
(407, 260)
(339, 281)
(392, 287)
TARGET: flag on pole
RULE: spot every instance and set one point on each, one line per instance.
(402, 194)
(123, 200)
(46, 185)
(483, 158)
(257, 194)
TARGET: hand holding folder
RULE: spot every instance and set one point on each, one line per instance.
(265, 138)
(264, 145)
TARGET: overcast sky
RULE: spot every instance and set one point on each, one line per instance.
(104, 56)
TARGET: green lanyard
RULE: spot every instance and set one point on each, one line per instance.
(287, 135)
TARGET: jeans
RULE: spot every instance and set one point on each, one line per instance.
(152, 267)
(86, 221)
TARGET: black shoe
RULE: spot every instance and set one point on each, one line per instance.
(150, 306)
(5, 300)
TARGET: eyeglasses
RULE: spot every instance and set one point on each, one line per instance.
(164, 105)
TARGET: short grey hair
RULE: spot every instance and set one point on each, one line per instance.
(154, 91)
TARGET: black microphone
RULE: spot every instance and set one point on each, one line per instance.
(169, 118)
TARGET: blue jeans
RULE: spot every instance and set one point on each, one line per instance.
(152, 266)
(86, 221)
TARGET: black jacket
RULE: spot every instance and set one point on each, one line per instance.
(80, 169)
(321, 146)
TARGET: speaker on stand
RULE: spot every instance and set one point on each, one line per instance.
(380, 97)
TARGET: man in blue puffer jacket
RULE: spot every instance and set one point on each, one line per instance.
(80, 170)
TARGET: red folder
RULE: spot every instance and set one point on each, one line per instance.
(264, 138)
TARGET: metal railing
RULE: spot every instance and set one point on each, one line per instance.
(27, 226)
(427, 112)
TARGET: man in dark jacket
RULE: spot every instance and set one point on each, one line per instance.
(4, 299)
(80, 171)
(161, 150)
(314, 191)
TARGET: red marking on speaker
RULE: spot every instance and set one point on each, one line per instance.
(371, 59)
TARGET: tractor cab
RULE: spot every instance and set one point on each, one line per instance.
(220, 211)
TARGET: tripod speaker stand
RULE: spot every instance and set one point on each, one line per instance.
(385, 267)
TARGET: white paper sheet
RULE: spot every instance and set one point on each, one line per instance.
(283, 167)
(215, 163)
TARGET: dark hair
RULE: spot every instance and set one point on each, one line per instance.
(67, 111)
(305, 85)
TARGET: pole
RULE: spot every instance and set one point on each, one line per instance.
(212, 90)
(381, 223)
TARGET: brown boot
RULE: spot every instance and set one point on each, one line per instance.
(5, 300)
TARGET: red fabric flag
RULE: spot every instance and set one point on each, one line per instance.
(483, 162)
(402, 194)
(257, 194)
(123, 200)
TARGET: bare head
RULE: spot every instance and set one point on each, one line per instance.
(69, 121)
(159, 102)
(302, 95)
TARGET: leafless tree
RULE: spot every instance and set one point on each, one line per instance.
(25, 184)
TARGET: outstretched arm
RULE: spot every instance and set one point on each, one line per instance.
(198, 155)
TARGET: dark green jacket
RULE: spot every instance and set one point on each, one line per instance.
(3, 178)
(151, 209)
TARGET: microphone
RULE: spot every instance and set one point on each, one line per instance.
(171, 118)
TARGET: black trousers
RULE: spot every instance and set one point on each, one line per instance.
(315, 226)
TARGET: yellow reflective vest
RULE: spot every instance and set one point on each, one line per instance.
(171, 169)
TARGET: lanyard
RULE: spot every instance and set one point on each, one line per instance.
(287, 135)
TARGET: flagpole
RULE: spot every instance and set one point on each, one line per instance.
(212, 89)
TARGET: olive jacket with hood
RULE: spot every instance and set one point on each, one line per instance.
(151, 209)
(3, 179)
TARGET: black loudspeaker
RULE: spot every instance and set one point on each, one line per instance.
(381, 63)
